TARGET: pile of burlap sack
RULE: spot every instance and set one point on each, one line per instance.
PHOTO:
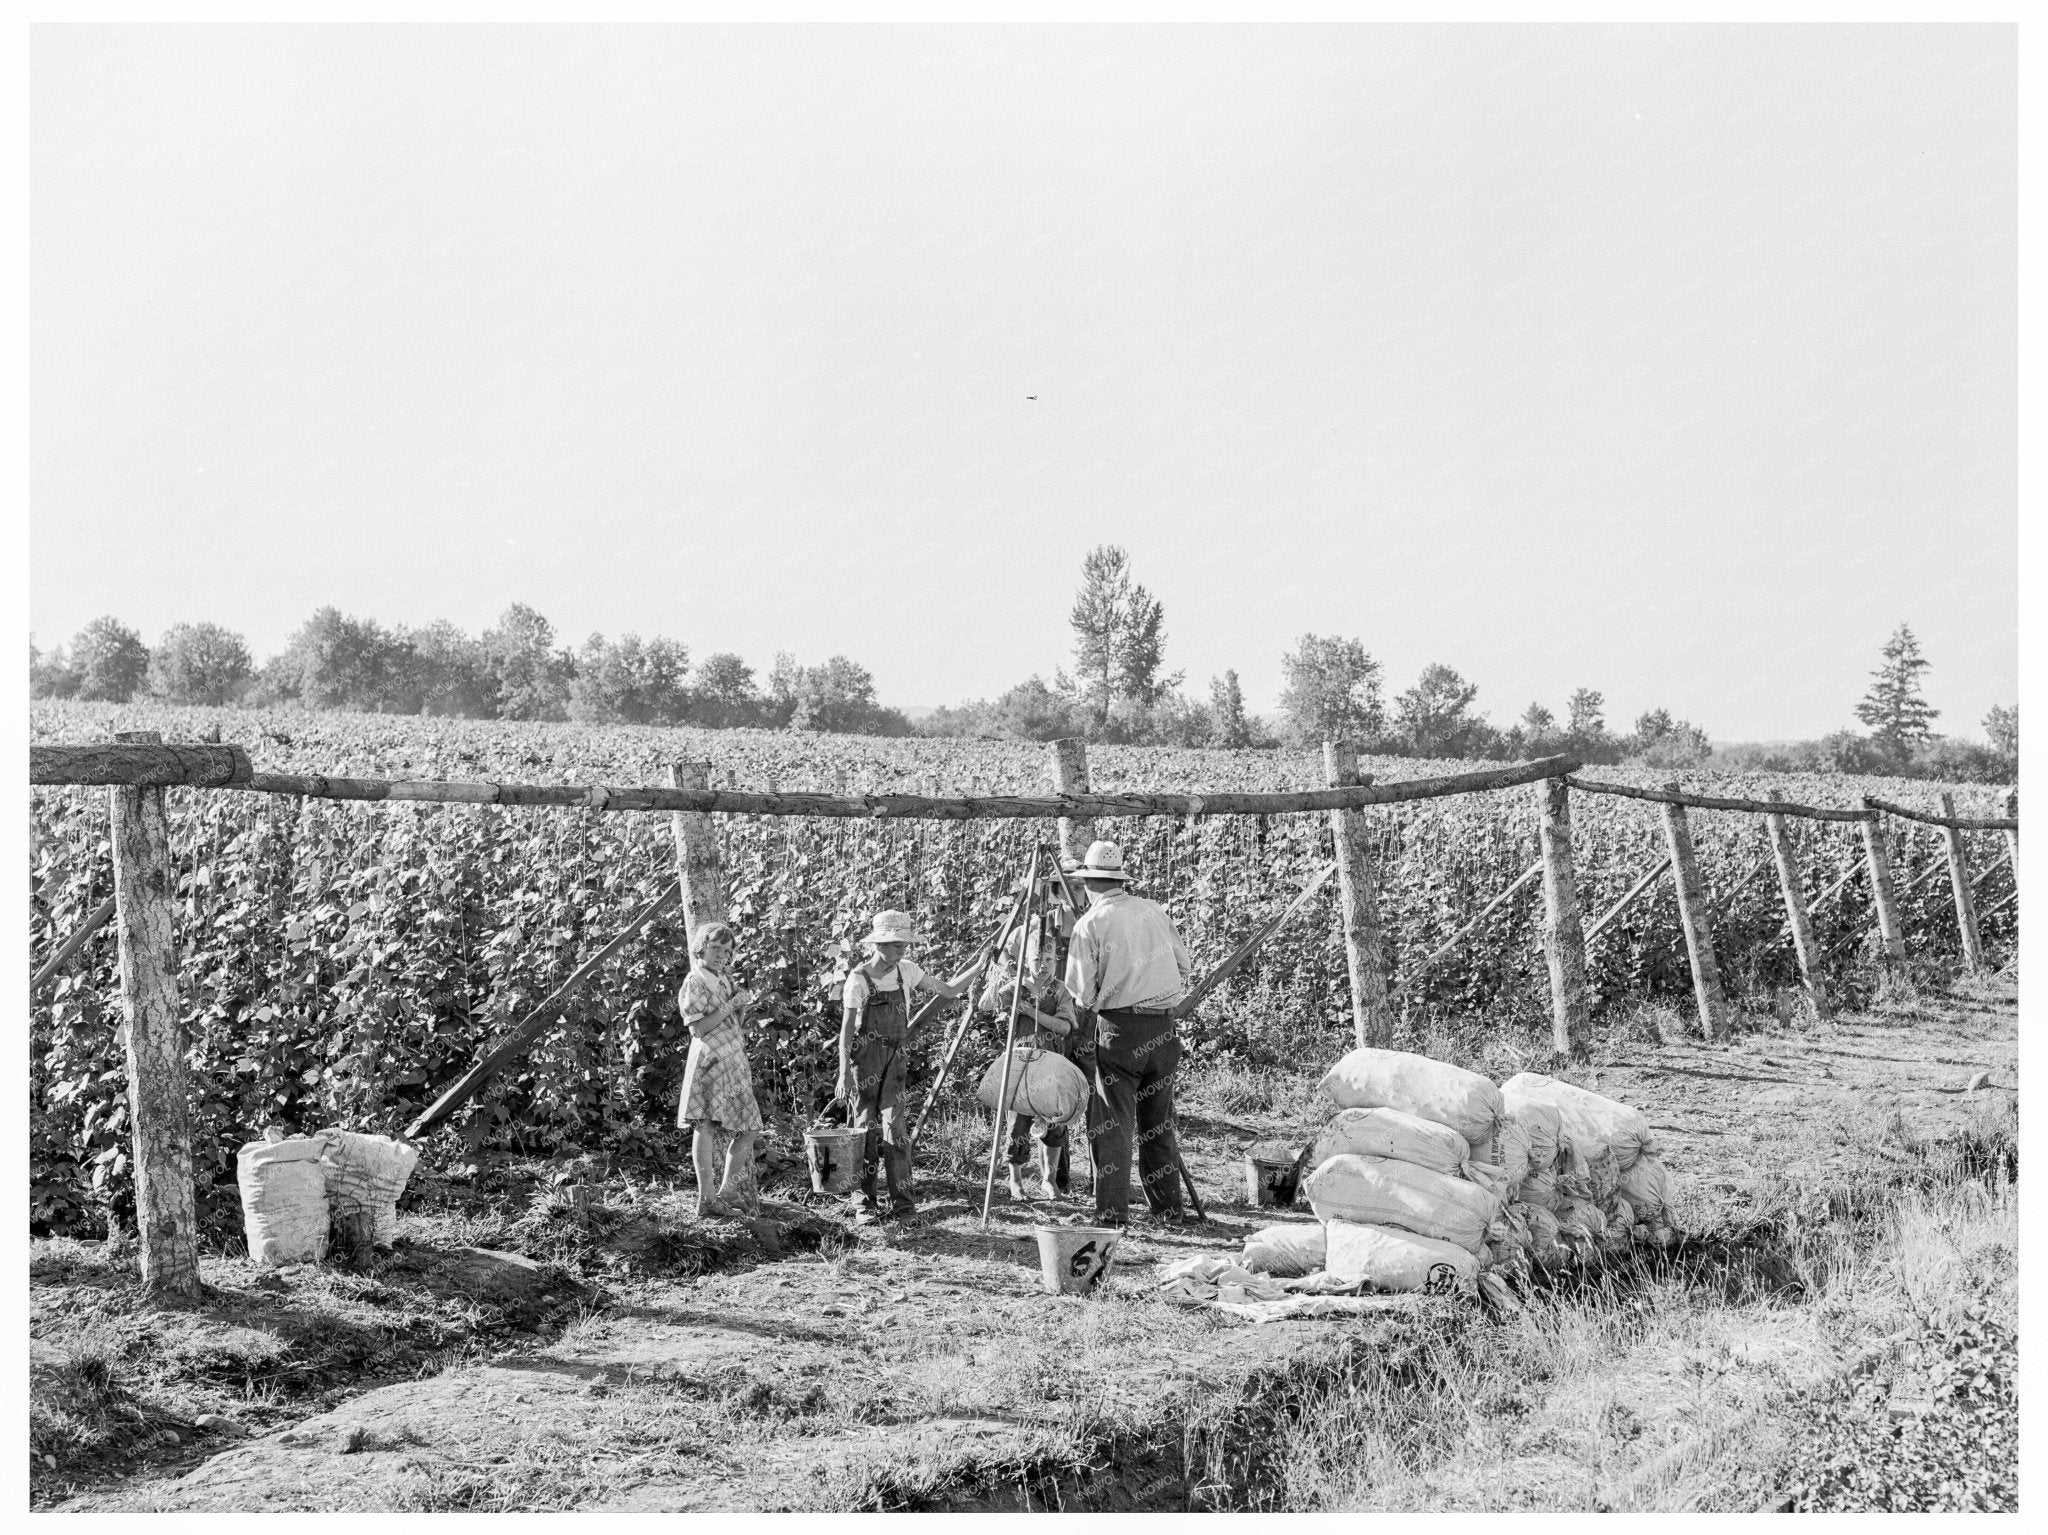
(1430, 1177)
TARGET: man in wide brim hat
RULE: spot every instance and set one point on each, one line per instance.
(1126, 962)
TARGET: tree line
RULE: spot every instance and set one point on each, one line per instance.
(1118, 691)
(515, 670)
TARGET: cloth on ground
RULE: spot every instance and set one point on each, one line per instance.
(1198, 1280)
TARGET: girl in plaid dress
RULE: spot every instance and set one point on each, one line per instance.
(718, 1086)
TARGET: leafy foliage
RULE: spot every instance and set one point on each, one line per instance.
(346, 961)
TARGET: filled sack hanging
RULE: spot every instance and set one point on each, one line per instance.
(1288, 1250)
(1378, 1191)
(1435, 1090)
(283, 1182)
(1395, 1260)
(1585, 1116)
(1392, 1133)
(1043, 1084)
(1647, 1186)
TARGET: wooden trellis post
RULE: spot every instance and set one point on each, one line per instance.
(1966, 900)
(2012, 838)
(1891, 933)
(1692, 915)
(697, 851)
(1795, 909)
(1564, 933)
(1070, 776)
(1372, 1018)
(159, 1098)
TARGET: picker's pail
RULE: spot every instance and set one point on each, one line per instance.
(1272, 1180)
(1073, 1259)
(834, 1158)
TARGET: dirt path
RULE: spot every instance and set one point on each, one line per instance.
(922, 1365)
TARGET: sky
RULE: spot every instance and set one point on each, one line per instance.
(1677, 362)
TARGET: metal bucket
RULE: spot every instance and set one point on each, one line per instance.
(1072, 1260)
(1272, 1181)
(834, 1158)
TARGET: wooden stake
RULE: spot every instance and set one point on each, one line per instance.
(1452, 942)
(1070, 777)
(697, 852)
(1692, 913)
(2012, 837)
(983, 958)
(1959, 883)
(1372, 1017)
(61, 955)
(537, 1022)
(1607, 916)
(159, 1092)
(995, 1145)
(1564, 936)
(1795, 910)
(1890, 933)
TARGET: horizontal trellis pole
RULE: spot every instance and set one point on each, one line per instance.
(65, 764)
(1713, 802)
(1958, 822)
(138, 764)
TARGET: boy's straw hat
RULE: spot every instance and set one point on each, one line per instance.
(1105, 860)
(893, 927)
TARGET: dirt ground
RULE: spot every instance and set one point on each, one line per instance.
(812, 1364)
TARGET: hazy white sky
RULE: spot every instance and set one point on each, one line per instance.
(1676, 362)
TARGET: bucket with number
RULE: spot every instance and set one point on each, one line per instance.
(1073, 1259)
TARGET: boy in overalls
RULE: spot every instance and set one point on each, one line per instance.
(874, 1020)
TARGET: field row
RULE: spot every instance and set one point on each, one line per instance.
(344, 961)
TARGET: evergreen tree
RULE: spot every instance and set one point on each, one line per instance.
(1897, 715)
(1226, 711)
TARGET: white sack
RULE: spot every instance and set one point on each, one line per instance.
(1287, 1250)
(1538, 1190)
(1512, 1142)
(1543, 1244)
(1392, 1133)
(1377, 1191)
(1415, 1084)
(1586, 1217)
(368, 1172)
(1043, 1084)
(1398, 1260)
(284, 1199)
(1583, 1173)
(1648, 1187)
(1587, 1118)
(1540, 1122)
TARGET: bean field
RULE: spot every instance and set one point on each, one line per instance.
(343, 962)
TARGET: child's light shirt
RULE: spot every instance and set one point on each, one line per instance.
(860, 984)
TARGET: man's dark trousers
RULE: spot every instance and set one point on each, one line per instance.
(1136, 1056)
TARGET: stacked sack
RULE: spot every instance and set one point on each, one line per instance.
(1407, 1179)
(1605, 1185)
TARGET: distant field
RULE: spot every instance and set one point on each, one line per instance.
(347, 959)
